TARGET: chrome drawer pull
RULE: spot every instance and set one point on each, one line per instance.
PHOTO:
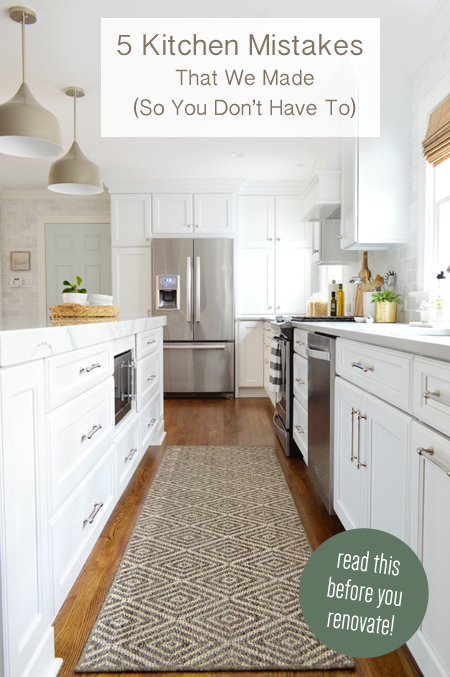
(91, 433)
(428, 453)
(339, 237)
(130, 455)
(150, 378)
(300, 343)
(152, 423)
(358, 365)
(88, 369)
(149, 343)
(301, 381)
(93, 515)
(353, 412)
(359, 416)
(299, 429)
(436, 396)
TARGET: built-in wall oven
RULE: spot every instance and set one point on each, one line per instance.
(124, 384)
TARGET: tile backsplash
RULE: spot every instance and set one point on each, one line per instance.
(19, 231)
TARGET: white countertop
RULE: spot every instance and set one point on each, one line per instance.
(24, 341)
(417, 340)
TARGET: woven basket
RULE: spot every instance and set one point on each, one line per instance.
(69, 321)
(76, 310)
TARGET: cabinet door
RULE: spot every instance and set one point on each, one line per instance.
(316, 242)
(256, 220)
(347, 476)
(251, 365)
(349, 192)
(292, 280)
(289, 228)
(132, 290)
(430, 540)
(386, 432)
(213, 213)
(255, 291)
(172, 213)
(25, 582)
(130, 220)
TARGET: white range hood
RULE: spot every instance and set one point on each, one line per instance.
(321, 198)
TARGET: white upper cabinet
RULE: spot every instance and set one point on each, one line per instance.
(132, 280)
(130, 220)
(213, 213)
(172, 213)
(256, 220)
(255, 292)
(289, 228)
(292, 280)
(374, 178)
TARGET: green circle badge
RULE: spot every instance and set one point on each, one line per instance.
(363, 593)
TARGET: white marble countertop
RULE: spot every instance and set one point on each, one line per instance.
(24, 341)
(428, 342)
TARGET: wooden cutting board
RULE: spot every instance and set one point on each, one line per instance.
(364, 273)
(359, 301)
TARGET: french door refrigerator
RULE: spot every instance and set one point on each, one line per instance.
(194, 289)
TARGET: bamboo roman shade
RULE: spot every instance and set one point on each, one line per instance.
(436, 145)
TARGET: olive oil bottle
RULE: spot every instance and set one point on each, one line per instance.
(340, 302)
(333, 304)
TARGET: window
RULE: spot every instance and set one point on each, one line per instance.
(441, 217)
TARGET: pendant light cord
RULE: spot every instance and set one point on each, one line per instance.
(22, 23)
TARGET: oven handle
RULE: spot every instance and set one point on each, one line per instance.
(282, 430)
(318, 354)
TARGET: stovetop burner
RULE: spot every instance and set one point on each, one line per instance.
(304, 318)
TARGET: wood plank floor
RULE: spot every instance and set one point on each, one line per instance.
(201, 422)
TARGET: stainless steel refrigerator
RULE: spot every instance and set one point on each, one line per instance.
(193, 287)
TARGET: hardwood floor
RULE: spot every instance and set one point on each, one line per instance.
(201, 422)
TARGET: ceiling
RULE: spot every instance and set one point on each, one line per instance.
(63, 49)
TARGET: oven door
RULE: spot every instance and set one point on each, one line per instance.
(124, 386)
(283, 407)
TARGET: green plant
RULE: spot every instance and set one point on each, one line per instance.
(73, 288)
(389, 296)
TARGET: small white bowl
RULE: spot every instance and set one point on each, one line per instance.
(99, 303)
(360, 319)
(100, 299)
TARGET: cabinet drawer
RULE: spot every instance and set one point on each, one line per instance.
(300, 430)
(147, 379)
(301, 380)
(269, 333)
(431, 398)
(148, 342)
(71, 374)
(300, 341)
(128, 454)
(149, 422)
(78, 434)
(386, 373)
(75, 529)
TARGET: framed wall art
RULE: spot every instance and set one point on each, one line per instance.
(20, 261)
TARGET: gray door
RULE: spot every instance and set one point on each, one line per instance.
(82, 249)
(173, 257)
(213, 290)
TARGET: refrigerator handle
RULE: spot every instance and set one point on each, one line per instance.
(197, 288)
(188, 289)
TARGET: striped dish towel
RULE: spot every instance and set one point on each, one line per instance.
(275, 370)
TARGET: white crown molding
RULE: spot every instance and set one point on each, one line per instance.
(173, 185)
(48, 195)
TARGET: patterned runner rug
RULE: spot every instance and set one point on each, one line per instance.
(210, 577)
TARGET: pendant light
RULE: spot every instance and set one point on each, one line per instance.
(27, 129)
(74, 174)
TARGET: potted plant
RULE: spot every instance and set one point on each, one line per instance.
(386, 306)
(73, 294)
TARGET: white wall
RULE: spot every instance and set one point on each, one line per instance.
(19, 217)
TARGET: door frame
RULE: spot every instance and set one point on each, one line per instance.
(42, 264)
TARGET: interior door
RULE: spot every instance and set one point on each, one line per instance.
(213, 290)
(82, 249)
(174, 257)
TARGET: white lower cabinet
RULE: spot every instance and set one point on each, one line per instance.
(300, 431)
(251, 364)
(77, 525)
(147, 378)
(430, 529)
(372, 441)
(128, 453)
(26, 615)
(149, 422)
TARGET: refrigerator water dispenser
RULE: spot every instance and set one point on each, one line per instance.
(168, 292)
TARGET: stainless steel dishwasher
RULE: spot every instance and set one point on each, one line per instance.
(321, 370)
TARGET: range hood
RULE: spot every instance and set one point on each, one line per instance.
(321, 198)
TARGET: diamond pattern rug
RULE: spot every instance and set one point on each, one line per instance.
(210, 577)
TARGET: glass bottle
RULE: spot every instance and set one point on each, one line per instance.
(340, 302)
(333, 304)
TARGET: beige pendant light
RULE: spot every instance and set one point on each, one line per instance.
(74, 174)
(27, 129)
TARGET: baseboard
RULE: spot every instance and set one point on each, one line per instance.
(252, 392)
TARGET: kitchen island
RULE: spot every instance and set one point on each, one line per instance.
(65, 460)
